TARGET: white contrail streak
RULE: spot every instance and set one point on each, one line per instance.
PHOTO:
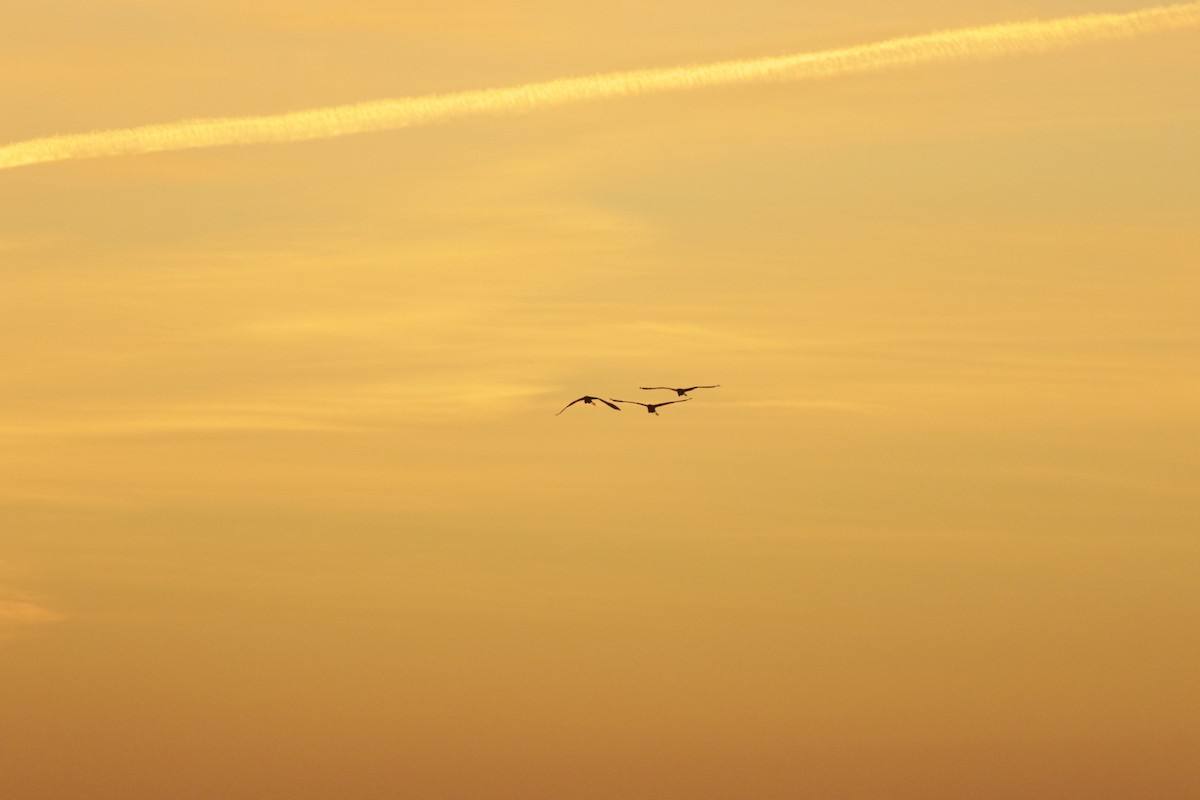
(992, 41)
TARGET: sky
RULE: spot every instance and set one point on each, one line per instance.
(286, 510)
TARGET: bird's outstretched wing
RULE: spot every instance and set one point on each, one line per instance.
(568, 405)
(631, 402)
(669, 402)
(714, 386)
(668, 388)
(610, 405)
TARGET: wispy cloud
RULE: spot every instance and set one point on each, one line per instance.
(344, 409)
(784, 404)
(993, 41)
(20, 610)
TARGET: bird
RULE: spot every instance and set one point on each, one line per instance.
(680, 392)
(652, 407)
(588, 400)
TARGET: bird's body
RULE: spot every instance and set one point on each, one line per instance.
(651, 407)
(588, 399)
(682, 392)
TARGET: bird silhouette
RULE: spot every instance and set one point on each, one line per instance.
(651, 407)
(680, 392)
(588, 400)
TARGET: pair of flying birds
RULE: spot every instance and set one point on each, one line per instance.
(588, 399)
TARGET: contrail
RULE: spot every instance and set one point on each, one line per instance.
(991, 41)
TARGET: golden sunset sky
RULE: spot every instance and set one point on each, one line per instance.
(286, 510)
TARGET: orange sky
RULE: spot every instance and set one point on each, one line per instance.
(286, 511)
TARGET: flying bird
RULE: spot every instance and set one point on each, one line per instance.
(651, 407)
(680, 392)
(588, 400)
